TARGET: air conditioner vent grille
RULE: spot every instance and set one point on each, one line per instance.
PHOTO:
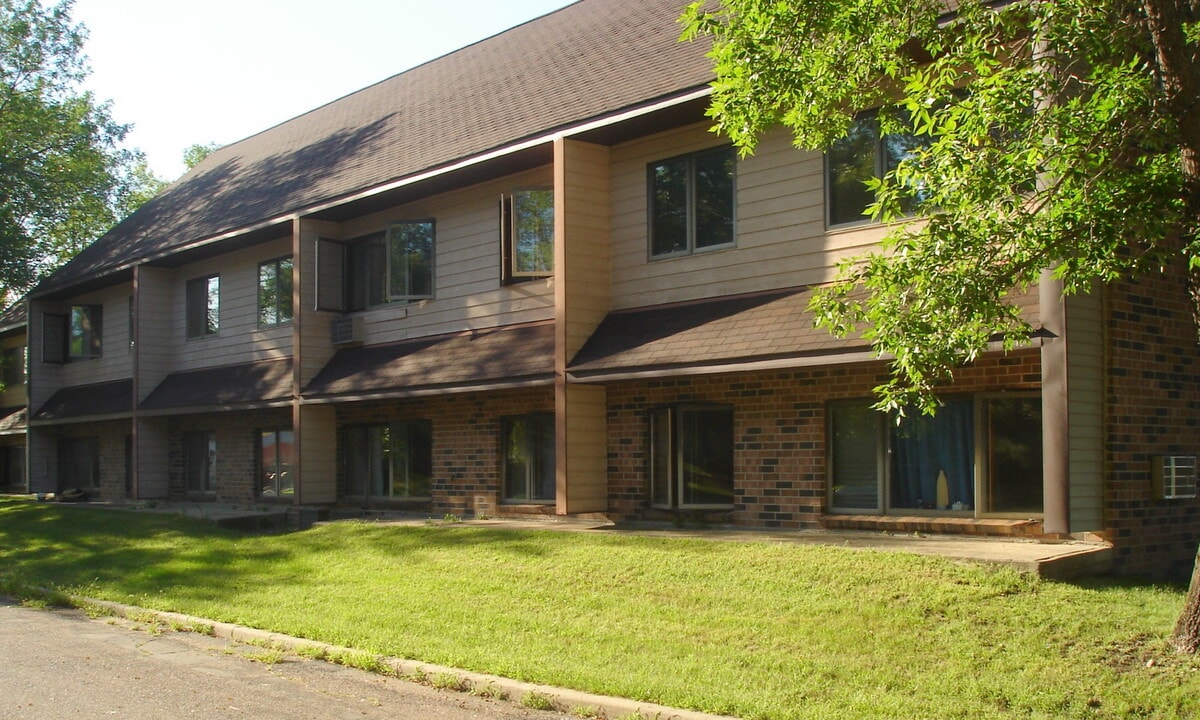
(346, 331)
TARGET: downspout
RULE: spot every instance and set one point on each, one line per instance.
(1056, 445)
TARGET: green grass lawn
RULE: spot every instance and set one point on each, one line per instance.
(756, 630)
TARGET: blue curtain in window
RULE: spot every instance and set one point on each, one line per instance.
(925, 448)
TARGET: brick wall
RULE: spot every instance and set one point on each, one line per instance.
(237, 452)
(1153, 398)
(779, 431)
(466, 443)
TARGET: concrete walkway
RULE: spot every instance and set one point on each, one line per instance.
(1050, 559)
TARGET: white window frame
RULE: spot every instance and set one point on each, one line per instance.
(277, 264)
(277, 435)
(395, 479)
(881, 168)
(511, 206)
(676, 456)
(202, 307)
(981, 479)
(530, 480)
(90, 335)
(207, 463)
(393, 274)
(691, 247)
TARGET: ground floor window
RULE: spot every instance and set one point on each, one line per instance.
(691, 457)
(393, 461)
(276, 450)
(12, 465)
(977, 454)
(200, 461)
(79, 463)
(528, 448)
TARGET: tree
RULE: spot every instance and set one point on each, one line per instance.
(1059, 135)
(64, 179)
(193, 155)
(138, 186)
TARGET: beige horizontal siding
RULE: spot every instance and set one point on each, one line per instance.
(239, 339)
(154, 314)
(584, 475)
(116, 360)
(467, 291)
(582, 234)
(781, 235)
(16, 395)
(318, 454)
(1085, 400)
(315, 347)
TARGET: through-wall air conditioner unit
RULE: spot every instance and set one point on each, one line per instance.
(1174, 476)
(347, 330)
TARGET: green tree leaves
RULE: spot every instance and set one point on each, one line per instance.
(194, 154)
(64, 179)
(1055, 134)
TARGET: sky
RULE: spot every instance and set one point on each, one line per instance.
(217, 71)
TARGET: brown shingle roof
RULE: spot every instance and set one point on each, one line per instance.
(517, 354)
(585, 61)
(15, 316)
(721, 332)
(228, 385)
(13, 420)
(714, 333)
(82, 401)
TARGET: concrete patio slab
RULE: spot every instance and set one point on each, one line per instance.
(1050, 559)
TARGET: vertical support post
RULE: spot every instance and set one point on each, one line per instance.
(1056, 445)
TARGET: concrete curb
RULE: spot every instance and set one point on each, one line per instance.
(564, 700)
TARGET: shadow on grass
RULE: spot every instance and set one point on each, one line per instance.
(1117, 583)
(57, 546)
(143, 554)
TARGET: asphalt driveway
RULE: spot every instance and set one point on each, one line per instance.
(58, 664)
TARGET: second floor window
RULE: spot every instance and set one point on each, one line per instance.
(863, 154)
(527, 235)
(275, 292)
(72, 336)
(83, 331)
(13, 370)
(392, 266)
(203, 306)
(691, 207)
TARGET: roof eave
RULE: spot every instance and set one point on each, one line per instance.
(50, 290)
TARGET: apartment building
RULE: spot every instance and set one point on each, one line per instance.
(526, 279)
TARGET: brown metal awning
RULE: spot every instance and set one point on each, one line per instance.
(756, 331)
(267, 383)
(88, 402)
(769, 329)
(495, 358)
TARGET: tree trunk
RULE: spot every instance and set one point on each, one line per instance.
(1177, 69)
(1186, 637)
